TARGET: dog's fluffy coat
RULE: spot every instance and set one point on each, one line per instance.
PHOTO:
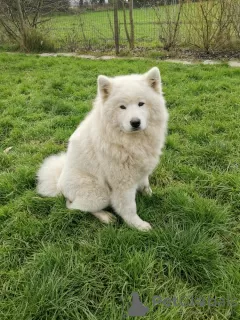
(108, 159)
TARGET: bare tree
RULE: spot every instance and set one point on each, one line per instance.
(80, 3)
(209, 24)
(20, 18)
(169, 19)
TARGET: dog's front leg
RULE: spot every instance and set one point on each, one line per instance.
(125, 205)
(144, 186)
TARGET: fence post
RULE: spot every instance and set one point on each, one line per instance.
(116, 26)
(131, 24)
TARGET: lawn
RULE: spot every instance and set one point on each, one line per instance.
(63, 265)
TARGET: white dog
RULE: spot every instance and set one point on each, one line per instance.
(113, 151)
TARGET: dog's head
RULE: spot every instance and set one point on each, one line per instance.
(129, 102)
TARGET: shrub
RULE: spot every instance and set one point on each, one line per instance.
(169, 21)
(36, 42)
(208, 24)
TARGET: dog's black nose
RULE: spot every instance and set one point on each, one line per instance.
(135, 123)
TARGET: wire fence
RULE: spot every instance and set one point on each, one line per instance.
(93, 28)
(143, 25)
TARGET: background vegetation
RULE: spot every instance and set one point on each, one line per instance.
(50, 25)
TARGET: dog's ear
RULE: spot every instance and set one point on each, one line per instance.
(154, 79)
(104, 86)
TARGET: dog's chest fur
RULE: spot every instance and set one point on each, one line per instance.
(130, 159)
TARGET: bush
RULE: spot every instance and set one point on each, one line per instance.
(36, 42)
(208, 24)
(169, 22)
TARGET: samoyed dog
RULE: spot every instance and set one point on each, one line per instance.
(113, 151)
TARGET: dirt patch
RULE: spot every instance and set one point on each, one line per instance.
(231, 63)
(201, 55)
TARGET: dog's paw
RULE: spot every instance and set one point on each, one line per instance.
(105, 217)
(147, 190)
(144, 226)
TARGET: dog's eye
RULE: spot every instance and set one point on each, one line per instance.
(141, 104)
(122, 107)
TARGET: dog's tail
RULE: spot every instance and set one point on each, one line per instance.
(48, 175)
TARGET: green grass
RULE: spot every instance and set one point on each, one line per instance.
(60, 264)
